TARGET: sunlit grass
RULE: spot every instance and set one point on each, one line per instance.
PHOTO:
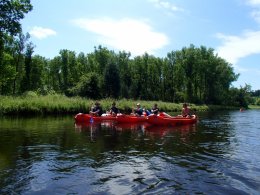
(60, 104)
(254, 107)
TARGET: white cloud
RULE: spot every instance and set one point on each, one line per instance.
(255, 14)
(166, 5)
(41, 33)
(125, 34)
(236, 47)
(254, 2)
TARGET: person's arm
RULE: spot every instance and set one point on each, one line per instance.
(183, 112)
(97, 111)
(190, 111)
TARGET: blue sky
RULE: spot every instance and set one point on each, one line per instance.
(230, 27)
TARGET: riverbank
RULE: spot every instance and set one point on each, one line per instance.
(31, 104)
(254, 107)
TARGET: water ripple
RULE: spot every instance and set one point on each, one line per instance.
(219, 155)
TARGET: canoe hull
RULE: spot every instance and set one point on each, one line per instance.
(152, 119)
(173, 121)
(80, 118)
(130, 119)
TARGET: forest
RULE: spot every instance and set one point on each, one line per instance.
(193, 74)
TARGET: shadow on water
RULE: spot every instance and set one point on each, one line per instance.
(219, 155)
(141, 136)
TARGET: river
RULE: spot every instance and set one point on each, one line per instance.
(52, 155)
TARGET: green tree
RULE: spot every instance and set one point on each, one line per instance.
(38, 74)
(103, 57)
(7, 74)
(111, 81)
(64, 69)
(18, 54)
(123, 59)
(255, 93)
(136, 71)
(154, 80)
(169, 78)
(200, 76)
(88, 86)
(82, 64)
(26, 83)
(55, 80)
(12, 11)
(257, 101)
(239, 97)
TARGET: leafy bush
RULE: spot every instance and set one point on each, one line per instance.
(29, 94)
(257, 102)
(88, 86)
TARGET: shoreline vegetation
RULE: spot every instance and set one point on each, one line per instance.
(192, 74)
(60, 104)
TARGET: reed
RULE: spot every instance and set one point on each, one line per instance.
(41, 104)
(60, 104)
(254, 106)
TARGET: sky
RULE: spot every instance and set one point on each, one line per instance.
(230, 27)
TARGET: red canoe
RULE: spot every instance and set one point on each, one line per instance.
(79, 118)
(166, 120)
(130, 119)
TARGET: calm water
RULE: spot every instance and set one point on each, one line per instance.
(218, 155)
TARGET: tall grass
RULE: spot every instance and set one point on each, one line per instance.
(41, 104)
(60, 104)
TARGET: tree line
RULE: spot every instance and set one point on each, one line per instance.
(192, 74)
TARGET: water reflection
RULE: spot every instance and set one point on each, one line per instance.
(218, 155)
(93, 129)
(140, 130)
(142, 137)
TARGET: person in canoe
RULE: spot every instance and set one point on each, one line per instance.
(186, 112)
(114, 110)
(146, 112)
(138, 111)
(96, 110)
(155, 109)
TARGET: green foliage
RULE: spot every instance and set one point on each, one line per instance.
(257, 101)
(28, 82)
(12, 11)
(195, 75)
(111, 81)
(29, 94)
(191, 74)
(239, 97)
(88, 86)
(7, 74)
(32, 103)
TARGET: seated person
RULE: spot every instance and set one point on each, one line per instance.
(185, 110)
(146, 112)
(155, 109)
(114, 110)
(96, 110)
(138, 111)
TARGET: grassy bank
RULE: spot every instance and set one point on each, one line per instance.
(59, 104)
(254, 107)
